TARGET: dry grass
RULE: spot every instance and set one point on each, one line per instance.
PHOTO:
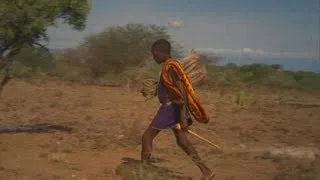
(110, 122)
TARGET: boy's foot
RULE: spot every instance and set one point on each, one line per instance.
(209, 176)
(148, 160)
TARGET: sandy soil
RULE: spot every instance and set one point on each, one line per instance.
(267, 134)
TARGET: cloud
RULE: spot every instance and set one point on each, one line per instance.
(175, 24)
(244, 51)
(254, 52)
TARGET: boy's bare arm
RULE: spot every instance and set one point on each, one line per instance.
(178, 82)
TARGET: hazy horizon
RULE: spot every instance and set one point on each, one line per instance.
(282, 28)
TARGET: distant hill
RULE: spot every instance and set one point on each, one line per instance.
(293, 64)
(288, 63)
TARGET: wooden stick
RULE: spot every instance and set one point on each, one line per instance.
(203, 139)
(178, 126)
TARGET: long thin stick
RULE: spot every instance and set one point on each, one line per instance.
(203, 139)
(178, 126)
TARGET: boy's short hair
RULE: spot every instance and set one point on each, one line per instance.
(162, 45)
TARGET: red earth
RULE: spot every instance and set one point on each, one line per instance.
(264, 134)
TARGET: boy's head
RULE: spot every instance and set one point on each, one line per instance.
(161, 50)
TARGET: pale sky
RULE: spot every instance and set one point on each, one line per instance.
(270, 27)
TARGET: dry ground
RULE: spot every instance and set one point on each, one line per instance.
(264, 134)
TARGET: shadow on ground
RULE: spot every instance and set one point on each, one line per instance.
(132, 169)
(34, 128)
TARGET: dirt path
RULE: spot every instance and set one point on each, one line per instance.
(264, 137)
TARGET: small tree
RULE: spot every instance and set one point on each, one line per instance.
(34, 58)
(231, 65)
(119, 47)
(25, 22)
(277, 67)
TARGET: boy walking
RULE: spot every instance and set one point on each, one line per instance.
(177, 102)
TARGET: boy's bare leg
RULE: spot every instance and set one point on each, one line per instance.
(147, 141)
(185, 144)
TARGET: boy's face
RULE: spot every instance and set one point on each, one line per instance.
(158, 56)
